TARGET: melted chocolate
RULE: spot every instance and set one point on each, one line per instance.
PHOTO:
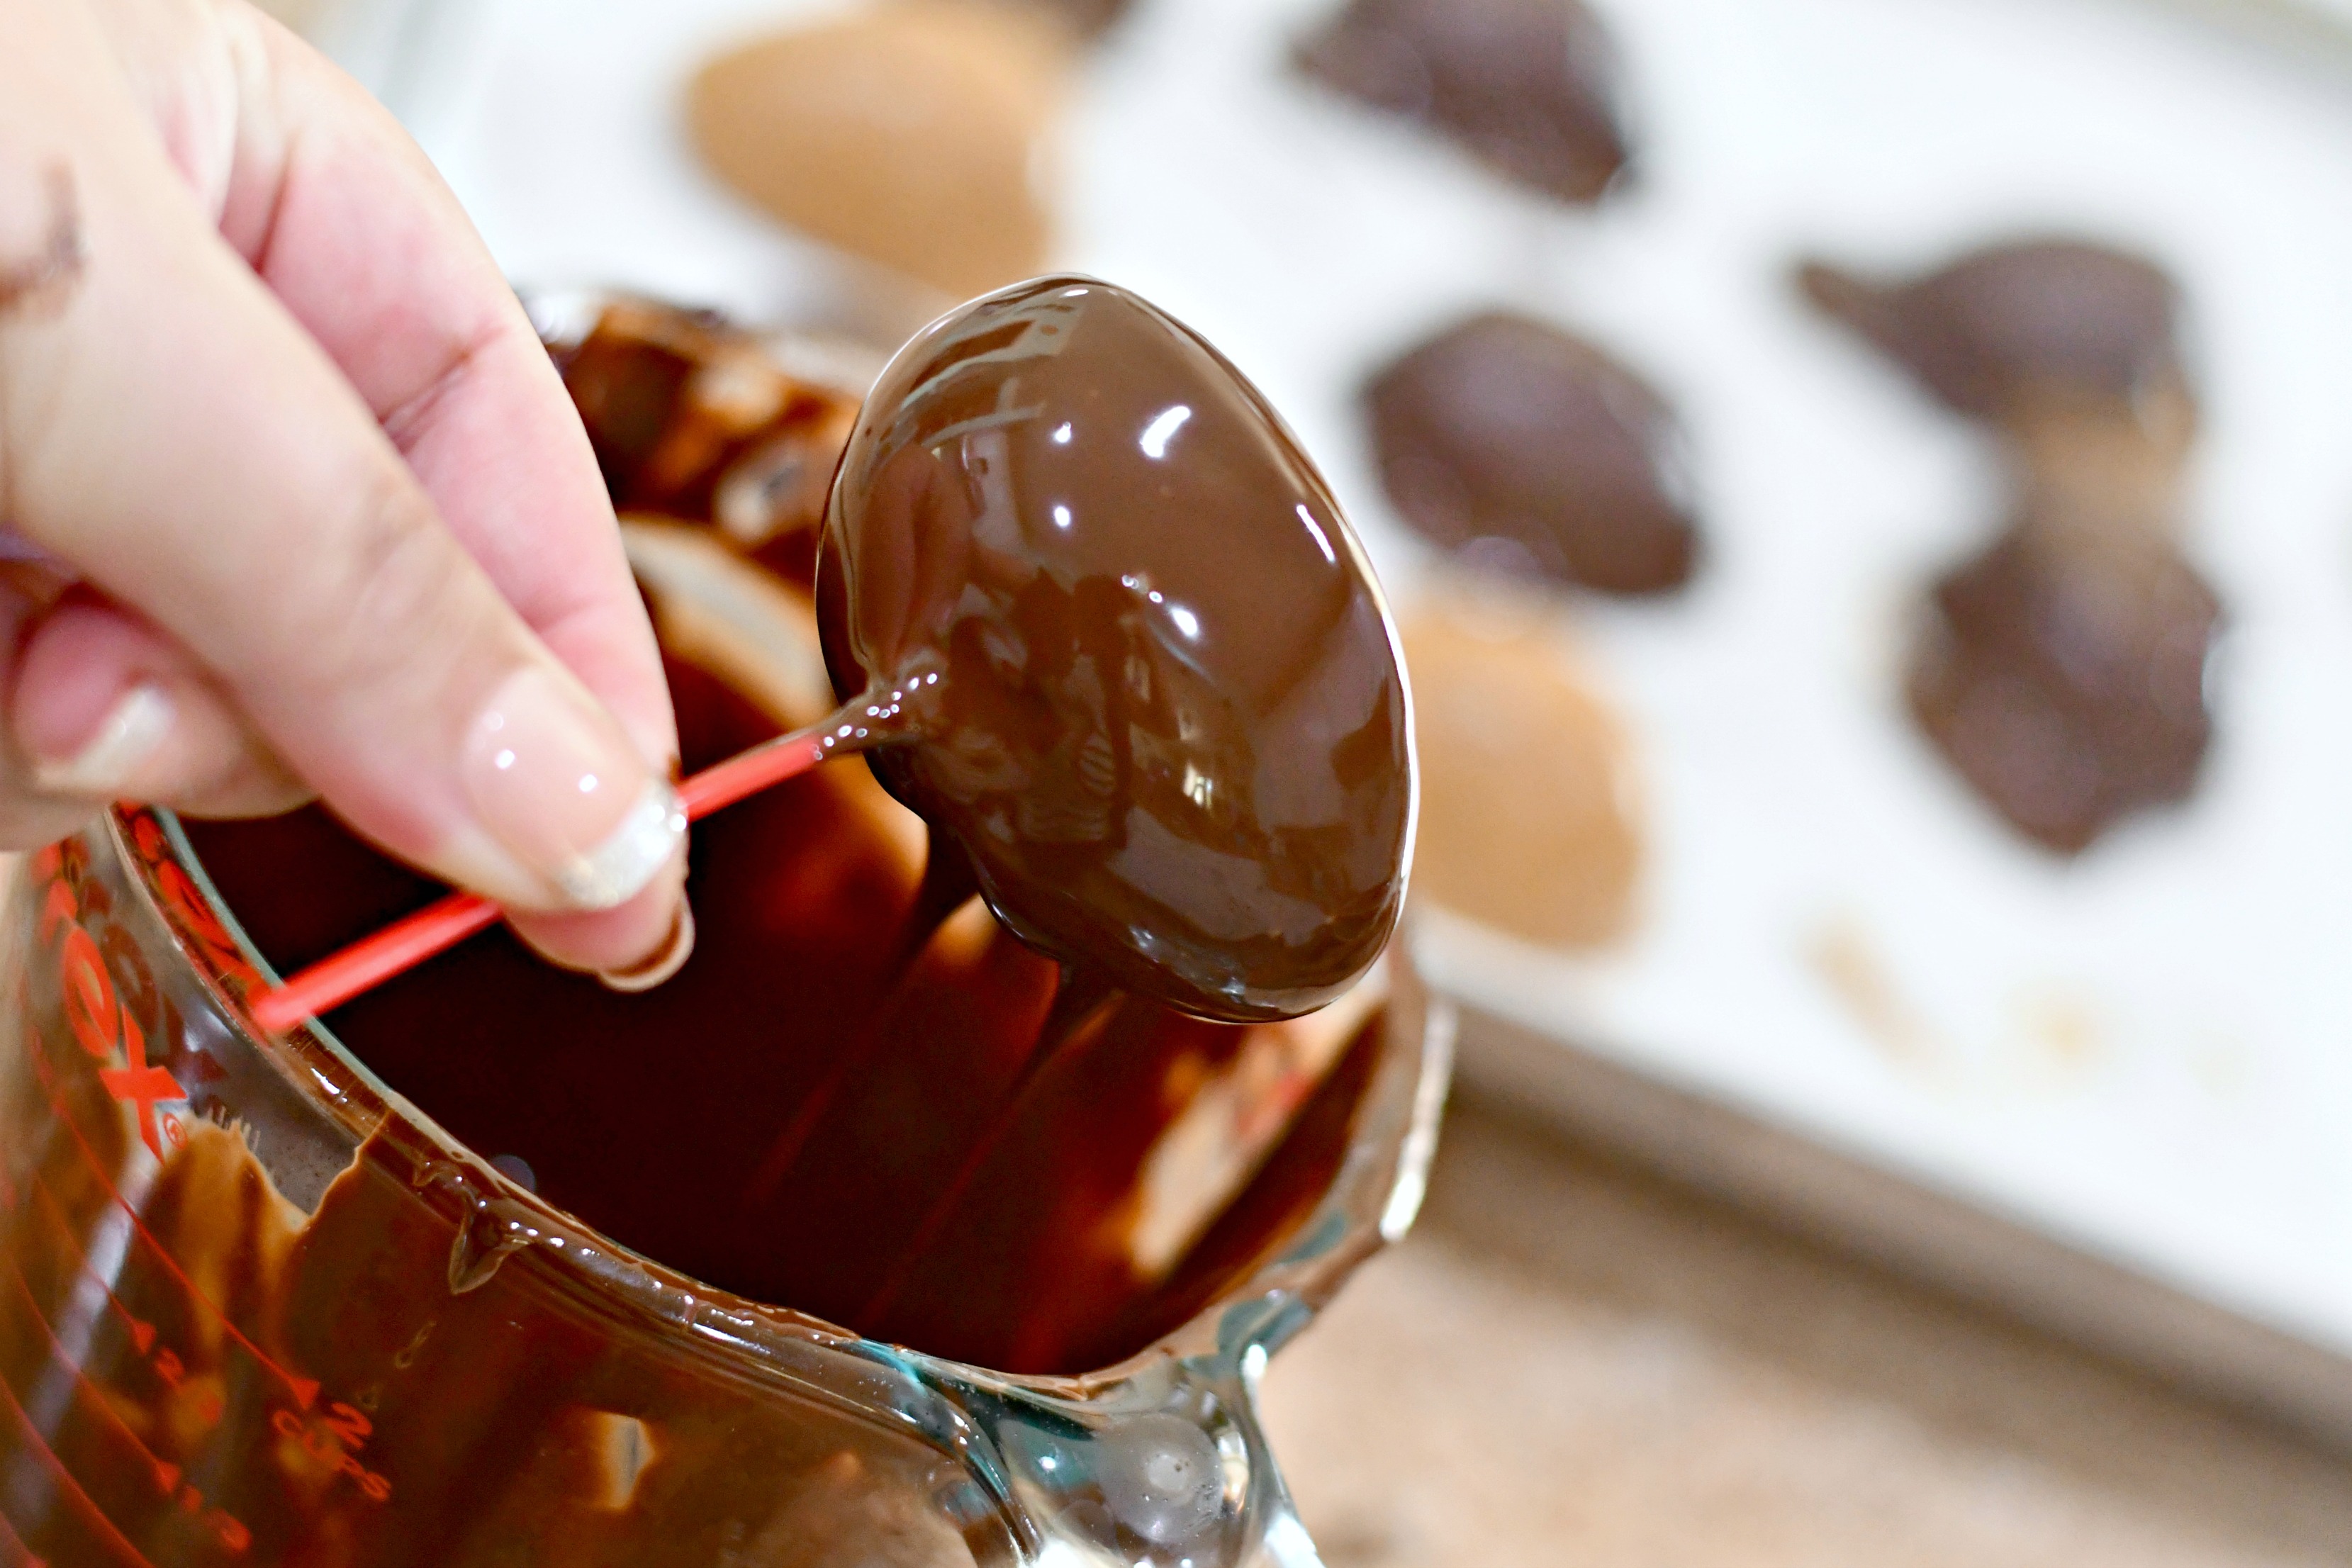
(1529, 86)
(426, 1369)
(1155, 691)
(2013, 329)
(653, 1118)
(1519, 446)
(692, 419)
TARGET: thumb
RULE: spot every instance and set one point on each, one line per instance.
(170, 431)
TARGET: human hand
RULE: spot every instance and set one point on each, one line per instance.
(295, 500)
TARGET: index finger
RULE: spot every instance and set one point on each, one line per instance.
(365, 245)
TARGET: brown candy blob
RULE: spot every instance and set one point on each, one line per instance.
(2062, 671)
(2063, 675)
(907, 134)
(1156, 690)
(1528, 86)
(1519, 446)
(1531, 813)
(2013, 329)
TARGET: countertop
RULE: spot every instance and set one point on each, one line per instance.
(1574, 1361)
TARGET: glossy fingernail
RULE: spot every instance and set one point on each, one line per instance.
(104, 767)
(666, 961)
(556, 782)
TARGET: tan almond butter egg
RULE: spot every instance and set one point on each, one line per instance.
(907, 134)
(1530, 814)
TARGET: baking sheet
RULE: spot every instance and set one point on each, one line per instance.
(2149, 1052)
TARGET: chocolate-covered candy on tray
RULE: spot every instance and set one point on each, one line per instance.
(1529, 87)
(2014, 329)
(1518, 446)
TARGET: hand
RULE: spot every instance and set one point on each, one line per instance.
(294, 499)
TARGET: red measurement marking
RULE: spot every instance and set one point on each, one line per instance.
(167, 1477)
(141, 1085)
(304, 1389)
(76, 1498)
(142, 1334)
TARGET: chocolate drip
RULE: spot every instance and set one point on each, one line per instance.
(1159, 692)
(2062, 671)
(1082, 998)
(1521, 447)
(1528, 86)
(946, 886)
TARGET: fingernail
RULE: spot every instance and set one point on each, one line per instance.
(667, 962)
(555, 782)
(126, 738)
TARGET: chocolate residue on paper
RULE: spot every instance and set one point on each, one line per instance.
(1521, 447)
(1531, 814)
(910, 134)
(2011, 330)
(1528, 86)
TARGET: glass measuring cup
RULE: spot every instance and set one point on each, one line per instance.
(255, 1306)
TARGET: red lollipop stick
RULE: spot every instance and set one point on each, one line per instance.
(439, 926)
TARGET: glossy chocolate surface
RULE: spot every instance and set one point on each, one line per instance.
(1523, 447)
(1154, 690)
(2012, 329)
(1528, 86)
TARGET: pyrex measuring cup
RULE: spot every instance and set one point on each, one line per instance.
(255, 1308)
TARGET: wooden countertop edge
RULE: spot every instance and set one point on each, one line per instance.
(1908, 1227)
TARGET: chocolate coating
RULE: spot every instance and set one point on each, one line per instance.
(2012, 329)
(2065, 677)
(1511, 441)
(1528, 86)
(1156, 690)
